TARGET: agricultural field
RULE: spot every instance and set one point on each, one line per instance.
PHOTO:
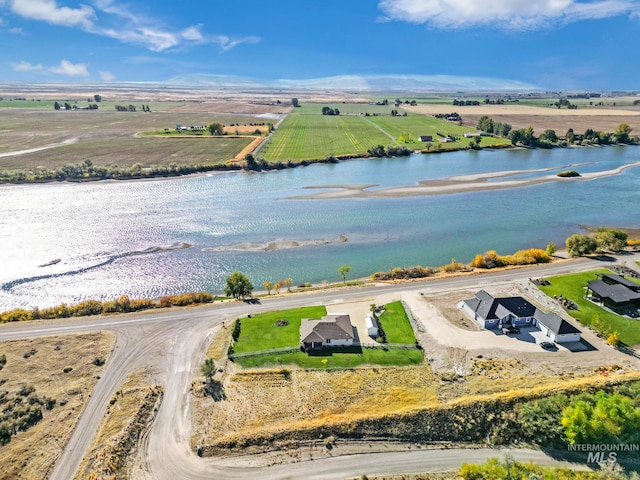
(417, 125)
(109, 137)
(308, 137)
(306, 134)
(572, 286)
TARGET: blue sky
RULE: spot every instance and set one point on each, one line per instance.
(550, 44)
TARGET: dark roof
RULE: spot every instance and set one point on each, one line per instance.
(484, 305)
(621, 280)
(555, 323)
(336, 326)
(518, 306)
(616, 293)
(489, 308)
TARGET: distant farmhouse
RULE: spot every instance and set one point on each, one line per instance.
(492, 313)
(333, 330)
(426, 138)
(615, 292)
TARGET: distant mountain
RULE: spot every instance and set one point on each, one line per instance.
(359, 83)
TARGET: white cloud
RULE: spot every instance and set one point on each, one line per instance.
(107, 76)
(227, 43)
(70, 69)
(504, 14)
(49, 11)
(25, 67)
(16, 30)
(192, 33)
(109, 18)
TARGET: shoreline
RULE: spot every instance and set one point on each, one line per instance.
(232, 165)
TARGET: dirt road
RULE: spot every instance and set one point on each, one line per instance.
(172, 343)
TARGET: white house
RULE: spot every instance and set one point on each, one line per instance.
(334, 330)
(492, 312)
(372, 326)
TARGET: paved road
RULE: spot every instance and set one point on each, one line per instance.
(172, 344)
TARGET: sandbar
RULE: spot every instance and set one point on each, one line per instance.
(456, 184)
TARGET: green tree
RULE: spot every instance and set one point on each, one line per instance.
(343, 270)
(602, 418)
(516, 136)
(295, 102)
(97, 98)
(580, 244)
(216, 128)
(208, 368)
(485, 124)
(610, 240)
(622, 133)
(238, 285)
(549, 136)
(250, 162)
(570, 136)
(56, 106)
(551, 249)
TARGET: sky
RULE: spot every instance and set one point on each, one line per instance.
(544, 44)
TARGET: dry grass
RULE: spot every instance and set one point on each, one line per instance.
(266, 399)
(31, 454)
(127, 415)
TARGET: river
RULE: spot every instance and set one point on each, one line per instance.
(66, 242)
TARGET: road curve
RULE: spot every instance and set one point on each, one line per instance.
(172, 343)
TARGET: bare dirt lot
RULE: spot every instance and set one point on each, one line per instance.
(542, 118)
(31, 454)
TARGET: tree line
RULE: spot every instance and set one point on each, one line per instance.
(549, 138)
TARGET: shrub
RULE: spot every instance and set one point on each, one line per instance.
(568, 174)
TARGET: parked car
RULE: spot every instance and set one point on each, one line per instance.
(510, 329)
(547, 345)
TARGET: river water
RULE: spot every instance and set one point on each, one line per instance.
(68, 242)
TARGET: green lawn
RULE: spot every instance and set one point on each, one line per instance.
(396, 325)
(573, 286)
(261, 333)
(337, 360)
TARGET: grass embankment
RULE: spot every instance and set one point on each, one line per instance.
(260, 333)
(60, 368)
(573, 287)
(129, 414)
(409, 417)
(306, 134)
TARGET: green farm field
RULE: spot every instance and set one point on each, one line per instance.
(312, 136)
(573, 286)
(308, 137)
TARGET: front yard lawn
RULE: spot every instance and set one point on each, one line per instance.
(573, 287)
(261, 333)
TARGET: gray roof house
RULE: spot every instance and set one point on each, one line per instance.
(493, 312)
(334, 330)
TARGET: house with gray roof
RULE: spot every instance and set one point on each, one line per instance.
(334, 330)
(491, 313)
(614, 292)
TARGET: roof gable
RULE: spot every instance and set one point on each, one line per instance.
(330, 327)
